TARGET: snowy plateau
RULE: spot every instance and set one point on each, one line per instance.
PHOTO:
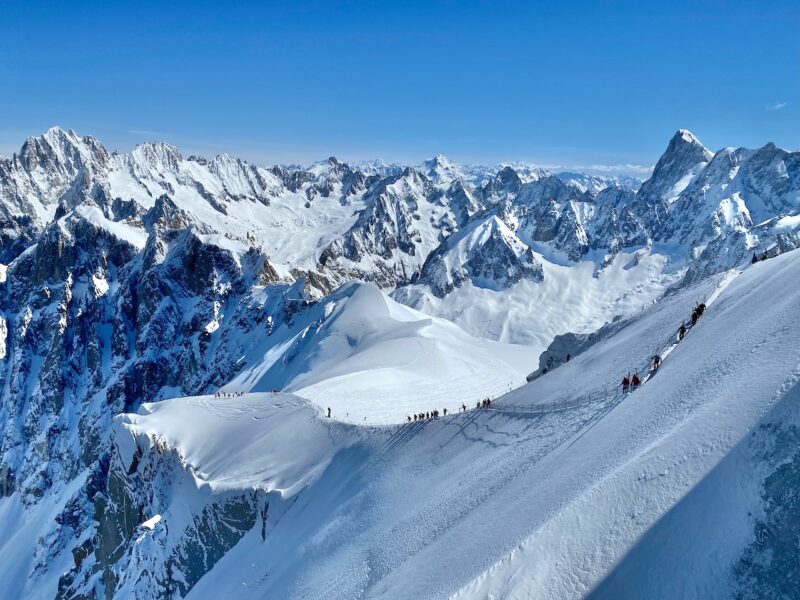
(212, 375)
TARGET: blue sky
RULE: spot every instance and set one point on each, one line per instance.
(567, 83)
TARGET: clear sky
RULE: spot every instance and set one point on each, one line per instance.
(556, 82)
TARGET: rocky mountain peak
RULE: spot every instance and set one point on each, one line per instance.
(157, 154)
(487, 253)
(60, 151)
(441, 170)
(684, 157)
(685, 148)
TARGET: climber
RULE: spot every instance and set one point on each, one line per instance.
(445, 412)
(329, 412)
(464, 407)
(754, 260)
(656, 362)
(695, 316)
(681, 331)
(635, 383)
(625, 384)
(764, 256)
(701, 308)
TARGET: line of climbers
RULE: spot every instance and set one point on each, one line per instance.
(228, 394)
(434, 414)
(632, 382)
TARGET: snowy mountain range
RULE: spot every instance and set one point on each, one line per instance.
(161, 288)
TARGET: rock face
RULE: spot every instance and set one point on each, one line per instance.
(487, 253)
(135, 552)
(138, 277)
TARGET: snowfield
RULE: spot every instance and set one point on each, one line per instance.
(654, 494)
(373, 360)
(579, 298)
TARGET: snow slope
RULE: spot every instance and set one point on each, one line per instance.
(612, 498)
(578, 298)
(262, 425)
(374, 360)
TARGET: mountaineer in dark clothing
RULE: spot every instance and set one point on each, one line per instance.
(656, 362)
(635, 383)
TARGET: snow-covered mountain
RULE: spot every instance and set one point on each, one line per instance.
(694, 473)
(128, 279)
(595, 184)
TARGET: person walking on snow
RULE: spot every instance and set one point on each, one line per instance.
(329, 412)
(656, 362)
(755, 259)
(625, 384)
(635, 383)
(681, 331)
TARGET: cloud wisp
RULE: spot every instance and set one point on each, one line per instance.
(145, 132)
(773, 106)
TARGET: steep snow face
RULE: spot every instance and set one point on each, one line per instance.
(605, 499)
(372, 360)
(487, 253)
